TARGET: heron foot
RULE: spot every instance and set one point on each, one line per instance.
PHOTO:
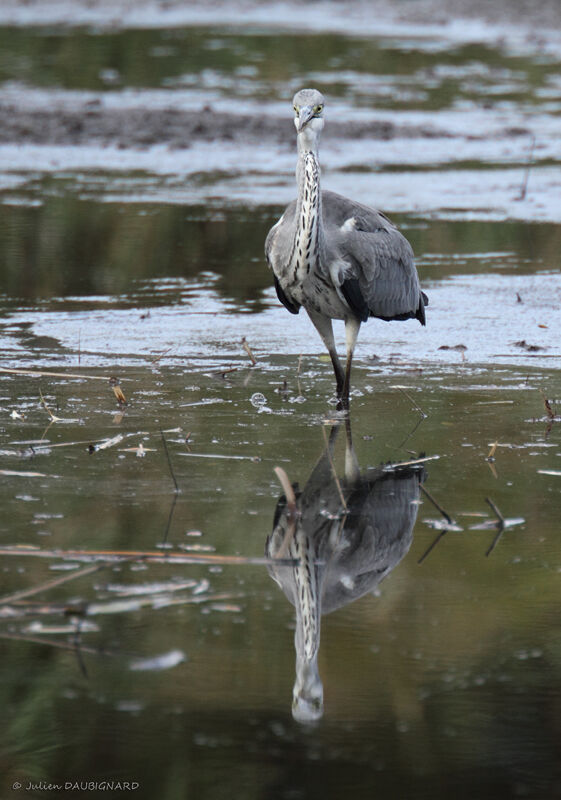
(343, 404)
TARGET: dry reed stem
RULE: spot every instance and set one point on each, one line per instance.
(547, 405)
(334, 473)
(249, 352)
(43, 587)
(292, 513)
(48, 374)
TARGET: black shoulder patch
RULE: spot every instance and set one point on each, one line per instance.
(420, 315)
(293, 307)
(354, 297)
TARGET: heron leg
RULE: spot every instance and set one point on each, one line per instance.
(352, 327)
(324, 327)
(352, 469)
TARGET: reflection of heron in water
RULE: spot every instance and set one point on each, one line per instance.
(346, 536)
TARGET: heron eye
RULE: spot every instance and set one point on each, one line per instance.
(318, 109)
(296, 111)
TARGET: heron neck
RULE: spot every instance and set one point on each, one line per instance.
(308, 689)
(307, 599)
(307, 172)
(308, 234)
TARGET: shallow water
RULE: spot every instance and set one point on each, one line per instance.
(165, 655)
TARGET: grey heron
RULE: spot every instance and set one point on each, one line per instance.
(337, 258)
(345, 537)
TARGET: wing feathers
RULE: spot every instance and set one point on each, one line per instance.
(291, 305)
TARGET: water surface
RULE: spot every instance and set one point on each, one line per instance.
(142, 636)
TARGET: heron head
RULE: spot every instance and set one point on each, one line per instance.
(308, 111)
(307, 694)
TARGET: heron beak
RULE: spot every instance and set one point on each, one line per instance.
(306, 114)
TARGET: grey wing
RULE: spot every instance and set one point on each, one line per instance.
(277, 251)
(382, 280)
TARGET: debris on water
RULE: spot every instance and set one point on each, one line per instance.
(158, 663)
(443, 525)
(106, 443)
(197, 548)
(556, 472)
(530, 348)
(226, 607)
(202, 587)
(506, 522)
(132, 590)
(140, 450)
(117, 391)
(225, 456)
(206, 402)
(258, 400)
(38, 627)
(17, 473)
(494, 403)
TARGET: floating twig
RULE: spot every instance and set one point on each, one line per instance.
(292, 513)
(288, 490)
(106, 443)
(148, 556)
(19, 474)
(334, 472)
(255, 459)
(524, 187)
(170, 516)
(411, 400)
(491, 458)
(492, 450)
(444, 513)
(43, 587)
(500, 523)
(500, 518)
(44, 373)
(432, 546)
(47, 409)
(157, 358)
(449, 520)
(412, 463)
(21, 637)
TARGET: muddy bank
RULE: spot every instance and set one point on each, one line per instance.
(137, 127)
